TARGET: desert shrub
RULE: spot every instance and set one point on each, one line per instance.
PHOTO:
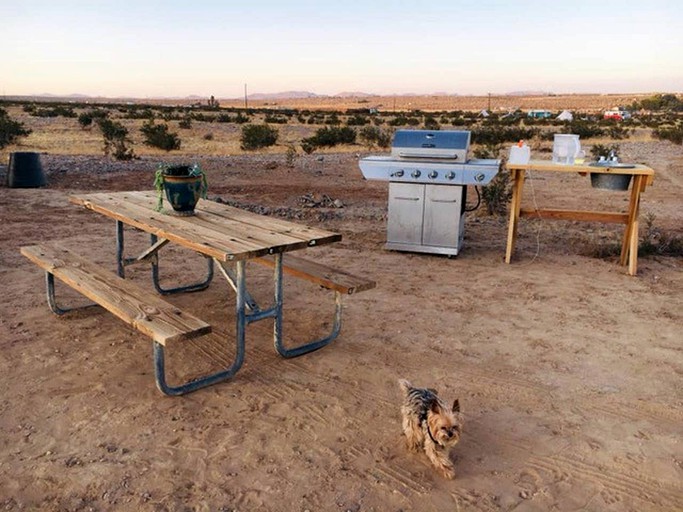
(598, 150)
(674, 134)
(85, 119)
(658, 241)
(333, 119)
(290, 155)
(256, 136)
(328, 137)
(274, 119)
(158, 136)
(431, 123)
(584, 129)
(617, 132)
(375, 136)
(186, 122)
(208, 136)
(138, 113)
(240, 118)
(495, 135)
(10, 130)
(56, 111)
(654, 241)
(497, 194)
(357, 120)
(660, 102)
(115, 139)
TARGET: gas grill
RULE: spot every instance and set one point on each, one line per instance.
(428, 173)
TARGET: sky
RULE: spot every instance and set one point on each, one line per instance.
(173, 48)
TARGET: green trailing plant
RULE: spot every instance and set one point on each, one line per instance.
(164, 169)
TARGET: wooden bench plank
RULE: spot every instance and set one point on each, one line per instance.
(317, 273)
(148, 313)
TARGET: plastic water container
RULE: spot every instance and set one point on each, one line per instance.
(566, 147)
(519, 154)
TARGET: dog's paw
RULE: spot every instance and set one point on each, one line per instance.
(447, 472)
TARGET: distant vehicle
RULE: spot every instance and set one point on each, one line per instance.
(617, 114)
(539, 114)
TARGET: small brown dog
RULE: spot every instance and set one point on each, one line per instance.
(428, 423)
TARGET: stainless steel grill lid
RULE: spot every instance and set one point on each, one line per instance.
(424, 156)
(451, 145)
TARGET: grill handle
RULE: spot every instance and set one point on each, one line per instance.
(408, 154)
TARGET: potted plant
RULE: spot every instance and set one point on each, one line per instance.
(183, 185)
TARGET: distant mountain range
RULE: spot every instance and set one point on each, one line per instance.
(288, 95)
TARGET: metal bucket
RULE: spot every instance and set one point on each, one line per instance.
(610, 181)
(25, 170)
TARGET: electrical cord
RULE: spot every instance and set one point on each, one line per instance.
(538, 231)
(478, 201)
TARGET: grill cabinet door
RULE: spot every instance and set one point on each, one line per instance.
(406, 206)
(443, 216)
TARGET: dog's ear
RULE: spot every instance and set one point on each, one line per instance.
(456, 405)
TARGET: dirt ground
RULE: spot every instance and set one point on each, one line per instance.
(567, 369)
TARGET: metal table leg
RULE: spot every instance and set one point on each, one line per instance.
(208, 380)
(151, 255)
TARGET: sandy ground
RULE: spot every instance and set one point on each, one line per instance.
(568, 370)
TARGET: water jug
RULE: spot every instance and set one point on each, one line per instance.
(566, 147)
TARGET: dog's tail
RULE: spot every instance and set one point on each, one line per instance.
(405, 386)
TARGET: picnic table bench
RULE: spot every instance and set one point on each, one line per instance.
(227, 237)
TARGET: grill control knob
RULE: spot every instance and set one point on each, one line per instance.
(450, 175)
(397, 174)
(416, 173)
(433, 174)
(479, 176)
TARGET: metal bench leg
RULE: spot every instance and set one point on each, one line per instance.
(51, 300)
(277, 329)
(208, 380)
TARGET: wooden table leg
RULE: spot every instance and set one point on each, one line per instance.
(629, 245)
(515, 205)
(633, 248)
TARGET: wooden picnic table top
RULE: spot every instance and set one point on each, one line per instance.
(216, 230)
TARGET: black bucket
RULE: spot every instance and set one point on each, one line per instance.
(25, 170)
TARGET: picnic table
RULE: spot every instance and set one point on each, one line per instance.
(642, 176)
(228, 238)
